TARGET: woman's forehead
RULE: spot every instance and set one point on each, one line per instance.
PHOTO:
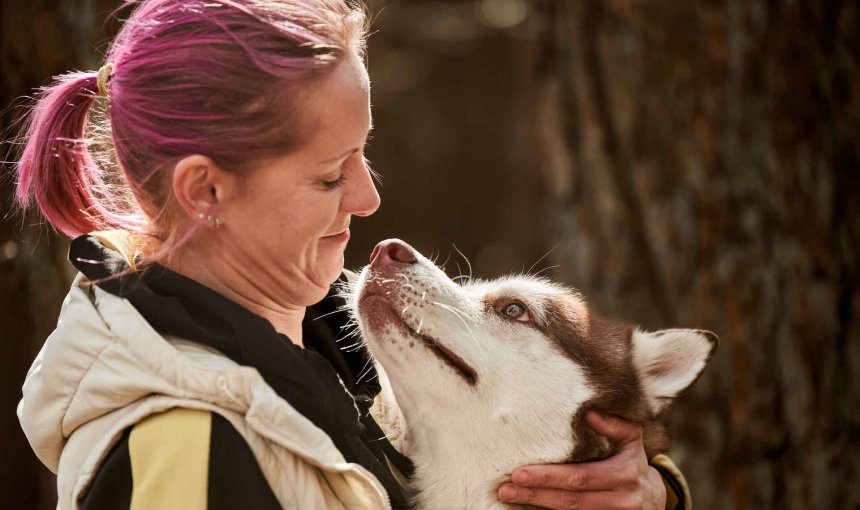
(334, 114)
(337, 110)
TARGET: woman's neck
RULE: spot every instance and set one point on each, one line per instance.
(222, 278)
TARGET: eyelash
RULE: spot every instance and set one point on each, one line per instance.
(340, 180)
(335, 183)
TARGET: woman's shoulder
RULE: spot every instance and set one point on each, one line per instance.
(180, 458)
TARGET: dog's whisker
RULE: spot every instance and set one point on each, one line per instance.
(545, 255)
(420, 323)
(348, 331)
(368, 365)
(442, 265)
(350, 335)
(350, 323)
(450, 308)
(337, 310)
(469, 264)
(353, 347)
(546, 269)
(387, 436)
(460, 315)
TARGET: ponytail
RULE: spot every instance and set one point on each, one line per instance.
(56, 168)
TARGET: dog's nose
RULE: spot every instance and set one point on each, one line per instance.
(392, 250)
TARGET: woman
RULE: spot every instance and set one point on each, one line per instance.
(186, 370)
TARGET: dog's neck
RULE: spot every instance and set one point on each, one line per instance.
(460, 463)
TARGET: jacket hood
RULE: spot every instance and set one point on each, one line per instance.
(103, 356)
(121, 338)
(104, 368)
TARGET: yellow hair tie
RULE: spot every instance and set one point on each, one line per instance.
(103, 78)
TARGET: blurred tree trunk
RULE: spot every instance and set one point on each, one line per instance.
(703, 160)
(38, 40)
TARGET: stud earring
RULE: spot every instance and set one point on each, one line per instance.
(213, 220)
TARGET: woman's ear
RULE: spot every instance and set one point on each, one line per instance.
(199, 184)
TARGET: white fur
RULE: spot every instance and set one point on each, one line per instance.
(669, 361)
(466, 439)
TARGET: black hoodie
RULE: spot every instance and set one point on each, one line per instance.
(331, 386)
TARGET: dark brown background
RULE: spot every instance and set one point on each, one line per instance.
(693, 164)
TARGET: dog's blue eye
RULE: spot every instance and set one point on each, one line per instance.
(514, 310)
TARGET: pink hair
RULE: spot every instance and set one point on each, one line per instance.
(210, 77)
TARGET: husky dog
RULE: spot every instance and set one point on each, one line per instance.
(492, 375)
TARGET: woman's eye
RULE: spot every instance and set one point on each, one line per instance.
(335, 183)
(516, 311)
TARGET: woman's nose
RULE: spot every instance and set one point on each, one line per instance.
(364, 199)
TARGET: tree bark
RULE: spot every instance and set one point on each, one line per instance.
(705, 171)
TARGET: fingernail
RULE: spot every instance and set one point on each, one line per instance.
(508, 492)
(521, 477)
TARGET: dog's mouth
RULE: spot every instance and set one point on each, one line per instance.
(446, 355)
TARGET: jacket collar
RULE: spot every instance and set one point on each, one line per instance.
(319, 381)
(176, 305)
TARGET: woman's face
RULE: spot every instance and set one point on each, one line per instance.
(289, 222)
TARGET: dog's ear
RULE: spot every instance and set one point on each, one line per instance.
(669, 361)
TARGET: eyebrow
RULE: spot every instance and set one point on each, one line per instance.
(350, 151)
(336, 158)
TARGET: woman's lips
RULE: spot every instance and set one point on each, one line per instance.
(339, 238)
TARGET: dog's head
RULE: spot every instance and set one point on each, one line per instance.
(519, 358)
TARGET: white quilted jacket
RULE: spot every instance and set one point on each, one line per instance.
(104, 368)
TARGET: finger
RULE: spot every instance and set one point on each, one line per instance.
(614, 427)
(591, 476)
(563, 500)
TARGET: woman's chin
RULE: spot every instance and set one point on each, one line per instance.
(331, 271)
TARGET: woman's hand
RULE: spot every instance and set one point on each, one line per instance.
(623, 481)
